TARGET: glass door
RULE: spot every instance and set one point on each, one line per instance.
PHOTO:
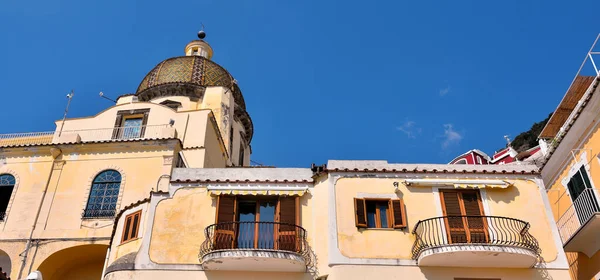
(256, 228)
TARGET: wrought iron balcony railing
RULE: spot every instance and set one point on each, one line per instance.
(268, 236)
(472, 230)
(582, 209)
(92, 214)
(89, 135)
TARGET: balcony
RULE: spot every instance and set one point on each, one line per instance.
(580, 223)
(474, 241)
(89, 135)
(254, 246)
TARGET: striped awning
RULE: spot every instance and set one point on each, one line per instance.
(480, 186)
(290, 192)
(457, 183)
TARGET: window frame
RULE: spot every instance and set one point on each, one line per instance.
(87, 204)
(378, 202)
(12, 184)
(129, 114)
(393, 204)
(128, 236)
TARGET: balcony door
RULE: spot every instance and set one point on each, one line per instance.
(464, 219)
(583, 195)
(257, 222)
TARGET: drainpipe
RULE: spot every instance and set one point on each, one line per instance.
(55, 152)
(105, 262)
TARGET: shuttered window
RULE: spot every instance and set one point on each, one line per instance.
(131, 226)
(463, 213)
(379, 213)
(236, 228)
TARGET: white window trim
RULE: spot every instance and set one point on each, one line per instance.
(574, 169)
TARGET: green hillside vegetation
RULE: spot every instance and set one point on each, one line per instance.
(528, 139)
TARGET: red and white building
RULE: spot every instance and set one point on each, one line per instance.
(507, 155)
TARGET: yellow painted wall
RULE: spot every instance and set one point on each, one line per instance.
(140, 168)
(181, 220)
(368, 243)
(31, 171)
(369, 272)
(559, 200)
(119, 249)
(320, 224)
(522, 201)
(205, 275)
(582, 267)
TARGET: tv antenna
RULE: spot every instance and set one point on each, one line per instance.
(102, 95)
(69, 96)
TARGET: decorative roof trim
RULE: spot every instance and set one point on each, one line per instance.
(89, 142)
(267, 181)
(423, 170)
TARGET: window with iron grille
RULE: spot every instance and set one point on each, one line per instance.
(7, 184)
(103, 195)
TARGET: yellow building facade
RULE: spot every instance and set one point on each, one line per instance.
(571, 170)
(160, 186)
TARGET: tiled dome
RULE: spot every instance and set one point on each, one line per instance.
(195, 70)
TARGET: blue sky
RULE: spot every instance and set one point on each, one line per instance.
(403, 81)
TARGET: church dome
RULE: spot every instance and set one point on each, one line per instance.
(187, 73)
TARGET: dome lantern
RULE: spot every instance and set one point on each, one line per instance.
(199, 47)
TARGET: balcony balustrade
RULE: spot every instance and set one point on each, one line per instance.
(579, 224)
(258, 246)
(474, 241)
(89, 135)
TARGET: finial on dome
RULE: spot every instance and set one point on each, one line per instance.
(201, 33)
(199, 47)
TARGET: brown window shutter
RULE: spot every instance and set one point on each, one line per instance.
(360, 210)
(476, 226)
(288, 217)
(144, 123)
(225, 229)
(454, 223)
(226, 209)
(398, 214)
(117, 130)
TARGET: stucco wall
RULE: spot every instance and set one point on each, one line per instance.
(205, 275)
(31, 171)
(366, 272)
(521, 201)
(179, 223)
(140, 168)
(119, 249)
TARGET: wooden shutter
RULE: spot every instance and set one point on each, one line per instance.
(398, 214)
(117, 130)
(454, 222)
(360, 213)
(131, 226)
(476, 226)
(224, 234)
(289, 217)
(144, 123)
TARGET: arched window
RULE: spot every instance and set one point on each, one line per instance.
(104, 195)
(461, 161)
(7, 184)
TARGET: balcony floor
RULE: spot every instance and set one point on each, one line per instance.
(253, 260)
(585, 239)
(470, 255)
